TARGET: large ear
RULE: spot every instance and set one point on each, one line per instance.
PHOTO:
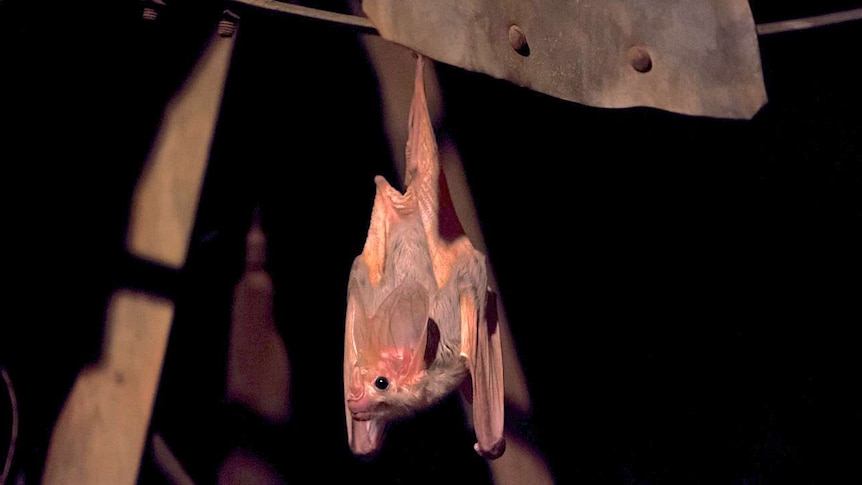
(401, 326)
(354, 312)
(364, 437)
(480, 343)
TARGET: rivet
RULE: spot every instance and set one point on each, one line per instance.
(640, 59)
(518, 41)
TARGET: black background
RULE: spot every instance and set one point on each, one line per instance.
(683, 292)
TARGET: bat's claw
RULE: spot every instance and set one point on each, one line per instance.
(494, 451)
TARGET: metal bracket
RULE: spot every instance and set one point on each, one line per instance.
(696, 58)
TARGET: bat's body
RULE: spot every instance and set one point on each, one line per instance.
(416, 323)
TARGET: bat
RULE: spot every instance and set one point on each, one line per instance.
(420, 317)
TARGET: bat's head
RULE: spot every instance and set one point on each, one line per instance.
(387, 356)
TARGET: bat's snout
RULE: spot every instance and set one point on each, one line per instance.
(361, 407)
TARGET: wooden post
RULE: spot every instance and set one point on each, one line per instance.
(100, 432)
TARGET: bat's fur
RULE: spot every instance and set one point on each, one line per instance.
(436, 383)
(408, 262)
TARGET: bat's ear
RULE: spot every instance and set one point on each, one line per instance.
(427, 347)
(355, 318)
(360, 336)
(399, 328)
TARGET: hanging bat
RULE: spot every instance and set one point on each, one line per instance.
(420, 316)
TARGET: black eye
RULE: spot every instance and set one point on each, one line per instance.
(381, 383)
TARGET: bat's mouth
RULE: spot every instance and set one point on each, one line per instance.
(364, 407)
(366, 436)
(362, 416)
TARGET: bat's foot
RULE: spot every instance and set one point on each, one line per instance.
(494, 451)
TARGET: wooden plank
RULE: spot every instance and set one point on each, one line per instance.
(166, 199)
(101, 430)
(100, 433)
(601, 53)
(174, 472)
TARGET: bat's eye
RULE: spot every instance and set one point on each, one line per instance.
(381, 383)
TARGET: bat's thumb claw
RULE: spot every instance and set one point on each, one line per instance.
(494, 451)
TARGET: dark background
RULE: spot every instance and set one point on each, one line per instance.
(683, 292)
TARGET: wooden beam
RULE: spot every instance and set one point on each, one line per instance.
(101, 431)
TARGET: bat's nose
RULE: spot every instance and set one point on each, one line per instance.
(359, 407)
(355, 394)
